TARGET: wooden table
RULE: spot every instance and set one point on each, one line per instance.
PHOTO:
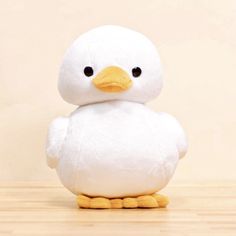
(44, 209)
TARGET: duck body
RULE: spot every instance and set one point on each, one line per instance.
(118, 149)
(113, 151)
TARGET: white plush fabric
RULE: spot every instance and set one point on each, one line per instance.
(113, 145)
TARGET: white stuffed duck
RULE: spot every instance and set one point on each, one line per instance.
(113, 151)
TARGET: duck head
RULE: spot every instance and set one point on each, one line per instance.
(110, 63)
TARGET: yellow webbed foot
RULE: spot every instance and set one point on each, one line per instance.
(83, 201)
(100, 203)
(116, 203)
(162, 200)
(130, 202)
(145, 201)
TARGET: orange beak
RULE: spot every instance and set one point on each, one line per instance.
(112, 80)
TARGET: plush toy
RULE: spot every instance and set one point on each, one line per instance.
(113, 151)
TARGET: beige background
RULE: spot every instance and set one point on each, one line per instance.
(197, 43)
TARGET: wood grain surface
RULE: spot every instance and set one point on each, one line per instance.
(48, 209)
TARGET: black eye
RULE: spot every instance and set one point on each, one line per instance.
(136, 71)
(88, 71)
